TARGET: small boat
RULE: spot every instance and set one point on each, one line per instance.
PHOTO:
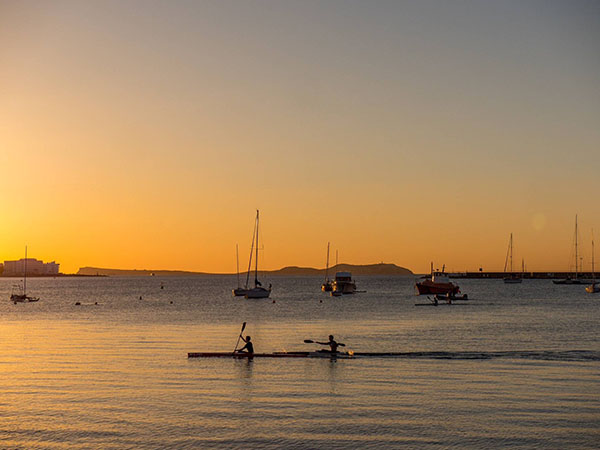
(258, 291)
(437, 283)
(512, 277)
(21, 296)
(325, 354)
(593, 288)
(343, 284)
(327, 285)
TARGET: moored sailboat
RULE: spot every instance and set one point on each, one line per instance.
(22, 296)
(512, 277)
(575, 280)
(593, 288)
(327, 285)
(258, 291)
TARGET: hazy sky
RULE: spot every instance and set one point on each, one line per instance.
(144, 134)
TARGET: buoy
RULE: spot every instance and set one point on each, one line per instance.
(320, 301)
(77, 303)
(95, 303)
(171, 302)
(273, 301)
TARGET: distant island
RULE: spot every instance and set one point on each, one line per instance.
(356, 269)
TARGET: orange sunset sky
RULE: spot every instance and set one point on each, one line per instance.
(145, 134)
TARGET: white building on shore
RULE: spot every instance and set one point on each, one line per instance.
(34, 267)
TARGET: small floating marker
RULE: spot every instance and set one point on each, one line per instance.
(273, 301)
(320, 301)
(95, 303)
(171, 302)
(140, 297)
(77, 303)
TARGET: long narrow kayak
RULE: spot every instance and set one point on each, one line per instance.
(339, 355)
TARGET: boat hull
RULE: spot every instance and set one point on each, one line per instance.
(239, 292)
(431, 287)
(20, 298)
(327, 287)
(513, 280)
(340, 355)
(258, 292)
(569, 281)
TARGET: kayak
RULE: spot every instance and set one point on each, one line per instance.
(338, 355)
(439, 304)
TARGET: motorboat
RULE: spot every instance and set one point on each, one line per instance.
(437, 283)
(343, 284)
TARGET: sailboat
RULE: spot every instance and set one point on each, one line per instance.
(513, 277)
(240, 291)
(257, 291)
(593, 288)
(327, 286)
(570, 280)
(22, 297)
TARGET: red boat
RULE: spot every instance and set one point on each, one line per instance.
(438, 283)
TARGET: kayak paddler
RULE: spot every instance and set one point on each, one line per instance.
(333, 345)
(248, 348)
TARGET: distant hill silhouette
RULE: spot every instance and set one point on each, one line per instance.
(356, 269)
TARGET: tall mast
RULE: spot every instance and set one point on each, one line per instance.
(237, 264)
(511, 251)
(25, 274)
(593, 274)
(327, 266)
(250, 259)
(576, 255)
(256, 260)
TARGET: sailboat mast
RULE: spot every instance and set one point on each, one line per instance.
(576, 255)
(251, 252)
(327, 264)
(256, 259)
(511, 253)
(237, 264)
(25, 274)
(593, 273)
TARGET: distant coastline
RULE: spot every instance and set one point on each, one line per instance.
(356, 269)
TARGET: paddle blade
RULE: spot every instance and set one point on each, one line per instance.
(243, 327)
(308, 341)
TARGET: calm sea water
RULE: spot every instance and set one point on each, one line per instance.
(516, 366)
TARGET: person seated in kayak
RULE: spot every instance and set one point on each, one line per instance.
(249, 347)
(333, 345)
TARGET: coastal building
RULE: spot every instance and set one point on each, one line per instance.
(34, 267)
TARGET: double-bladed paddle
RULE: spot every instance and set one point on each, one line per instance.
(310, 341)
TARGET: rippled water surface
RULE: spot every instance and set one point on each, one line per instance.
(515, 366)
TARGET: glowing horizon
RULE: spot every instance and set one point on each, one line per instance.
(145, 135)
